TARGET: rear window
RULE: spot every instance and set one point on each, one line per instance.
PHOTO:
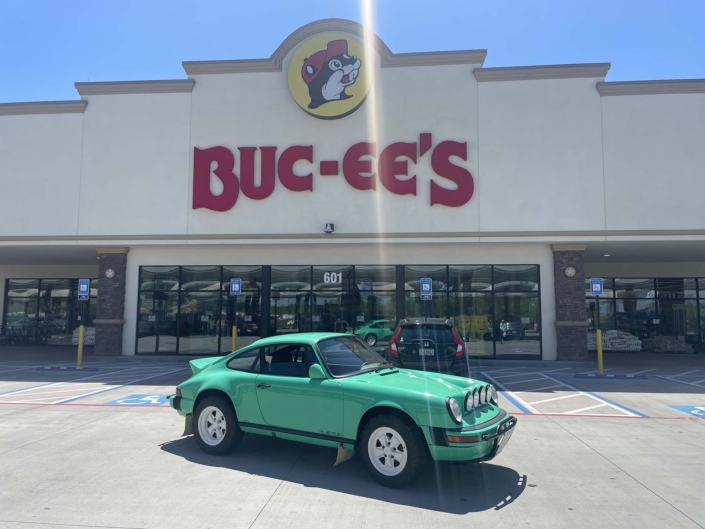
(435, 333)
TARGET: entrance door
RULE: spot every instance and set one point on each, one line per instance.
(156, 326)
(288, 398)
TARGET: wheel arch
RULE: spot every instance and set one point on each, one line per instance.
(215, 392)
(379, 409)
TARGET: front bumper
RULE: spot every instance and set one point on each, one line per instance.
(472, 445)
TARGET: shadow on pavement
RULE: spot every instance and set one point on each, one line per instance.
(458, 488)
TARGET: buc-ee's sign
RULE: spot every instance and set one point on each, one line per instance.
(329, 77)
(364, 164)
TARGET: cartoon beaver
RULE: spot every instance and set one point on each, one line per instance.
(328, 72)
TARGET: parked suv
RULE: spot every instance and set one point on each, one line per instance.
(428, 344)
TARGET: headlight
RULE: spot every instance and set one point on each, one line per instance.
(494, 396)
(454, 409)
(475, 398)
(482, 394)
(468, 401)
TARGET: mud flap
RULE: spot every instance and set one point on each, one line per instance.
(188, 426)
(343, 455)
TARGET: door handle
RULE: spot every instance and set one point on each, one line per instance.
(260, 385)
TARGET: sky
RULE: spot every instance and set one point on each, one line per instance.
(46, 46)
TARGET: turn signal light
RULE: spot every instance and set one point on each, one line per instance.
(463, 438)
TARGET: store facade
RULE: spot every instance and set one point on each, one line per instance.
(335, 176)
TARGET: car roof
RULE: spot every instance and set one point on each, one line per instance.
(300, 337)
(426, 321)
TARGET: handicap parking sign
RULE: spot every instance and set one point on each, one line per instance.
(596, 286)
(140, 399)
(698, 411)
(235, 287)
(84, 286)
(426, 289)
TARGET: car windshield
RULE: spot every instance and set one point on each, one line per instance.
(435, 333)
(347, 355)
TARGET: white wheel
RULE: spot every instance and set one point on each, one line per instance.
(211, 426)
(387, 451)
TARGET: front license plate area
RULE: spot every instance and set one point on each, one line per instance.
(503, 441)
(426, 352)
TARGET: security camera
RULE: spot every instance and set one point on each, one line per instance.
(330, 228)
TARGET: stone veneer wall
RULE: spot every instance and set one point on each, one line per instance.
(571, 319)
(110, 315)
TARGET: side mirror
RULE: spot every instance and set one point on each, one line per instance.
(316, 372)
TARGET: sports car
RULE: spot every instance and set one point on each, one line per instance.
(334, 390)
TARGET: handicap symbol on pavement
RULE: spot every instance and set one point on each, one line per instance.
(698, 411)
(140, 399)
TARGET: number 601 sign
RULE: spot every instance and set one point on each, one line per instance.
(333, 277)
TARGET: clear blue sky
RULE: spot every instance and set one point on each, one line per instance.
(46, 46)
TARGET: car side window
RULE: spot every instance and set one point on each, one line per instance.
(289, 360)
(246, 361)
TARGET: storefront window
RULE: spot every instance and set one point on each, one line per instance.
(54, 307)
(249, 276)
(676, 288)
(378, 278)
(437, 306)
(516, 325)
(159, 278)
(607, 288)
(200, 278)
(606, 315)
(471, 313)
(21, 305)
(627, 288)
(338, 278)
(469, 278)
(516, 278)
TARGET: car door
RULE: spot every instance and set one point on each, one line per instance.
(289, 399)
(241, 383)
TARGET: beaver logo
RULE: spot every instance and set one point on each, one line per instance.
(329, 72)
(330, 75)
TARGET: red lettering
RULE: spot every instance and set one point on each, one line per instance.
(461, 177)
(389, 168)
(287, 177)
(354, 167)
(247, 172)
(202, 196)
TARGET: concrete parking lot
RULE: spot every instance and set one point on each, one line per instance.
(101, 449)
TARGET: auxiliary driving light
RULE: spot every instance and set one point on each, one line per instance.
(468, 401)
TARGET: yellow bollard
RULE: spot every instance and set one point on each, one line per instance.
(234, 344)
(81, 330)
(598, 338)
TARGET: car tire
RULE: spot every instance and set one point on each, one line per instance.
(371, 340)
(406, 435)
(215, 426)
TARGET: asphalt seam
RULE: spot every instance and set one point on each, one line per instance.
(57, 434)
(626, 473)
(275, 490)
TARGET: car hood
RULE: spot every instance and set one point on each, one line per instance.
(421, 382)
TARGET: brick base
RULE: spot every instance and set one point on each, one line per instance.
(111, 302)
(571, 319)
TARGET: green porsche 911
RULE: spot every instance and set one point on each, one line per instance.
(334, 390)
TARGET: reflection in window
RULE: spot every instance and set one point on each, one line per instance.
(516, 278)
(470, 278)
(633, 288)
(516, 324)
(471, 313)
(200, 278)
(368, 278)
(159, 278)
(292, 278)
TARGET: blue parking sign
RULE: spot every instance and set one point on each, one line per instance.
(596, 286)
(84, 289)
(426, 289)
(235, 287)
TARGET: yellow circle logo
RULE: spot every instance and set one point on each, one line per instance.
(329, 76)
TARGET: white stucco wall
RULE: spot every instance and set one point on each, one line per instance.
(332, 254)
(40, 161)
(654, 160)
(540, 156)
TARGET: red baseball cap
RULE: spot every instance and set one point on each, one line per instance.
(318, 59)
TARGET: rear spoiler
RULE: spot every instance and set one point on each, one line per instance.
(202, 363)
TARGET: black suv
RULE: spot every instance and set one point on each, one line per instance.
(428, 344)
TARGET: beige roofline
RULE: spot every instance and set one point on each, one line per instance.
(388, 59)
(549, 71)
(135, 87)
(43, 107)
(634, 88)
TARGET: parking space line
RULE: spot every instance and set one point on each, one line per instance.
(641, 372)
(699, 381)
(672, 379)
(600, 398)
(557, 398)
(18, 369)
(512, 397)
(516, 375)
(53, 384)
(686, 373)
(541, 389)
(523, 381)
(505, 370)
(585, 409)
(120, 386)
